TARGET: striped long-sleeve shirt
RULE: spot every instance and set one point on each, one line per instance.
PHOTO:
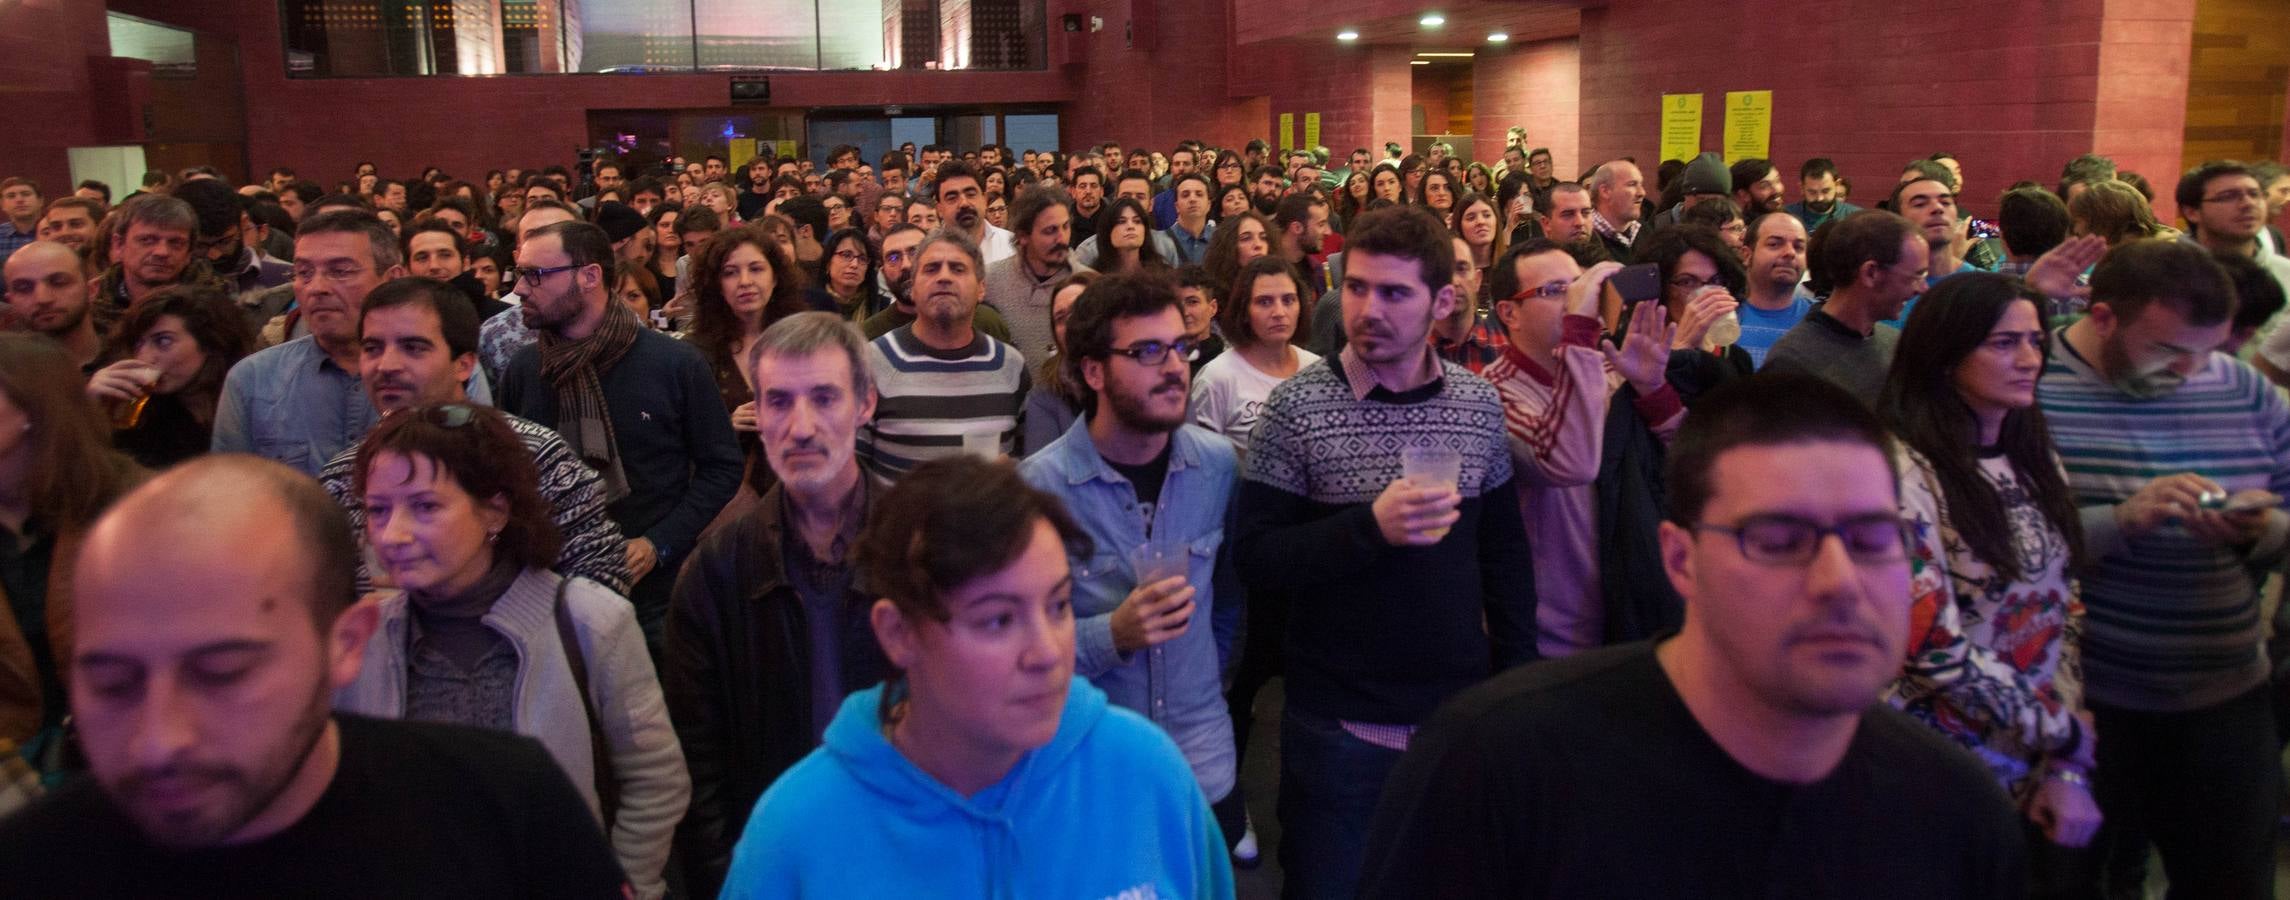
(930, 399)
(2172, 621)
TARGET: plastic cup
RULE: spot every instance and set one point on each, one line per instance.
(1432, 467)
(983, 444)
(1155, 561)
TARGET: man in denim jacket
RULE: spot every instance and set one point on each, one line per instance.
(1145, 484)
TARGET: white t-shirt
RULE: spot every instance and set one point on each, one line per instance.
(1229, 394)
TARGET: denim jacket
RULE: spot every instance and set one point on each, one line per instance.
(291, 403)
(1177, 684)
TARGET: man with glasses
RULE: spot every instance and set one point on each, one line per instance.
(1561, 390)
(1755, 735)
(638, 406)
(2225, 208)
(300, 402)
(1142, 631)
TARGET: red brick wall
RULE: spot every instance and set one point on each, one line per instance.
(1537, 85)
(44, 51)
(1429, 87)
(1181, 87)
(2013, 89)
(1361, 93)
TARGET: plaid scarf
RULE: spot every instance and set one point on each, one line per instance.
(582, 417)
(1628, 234)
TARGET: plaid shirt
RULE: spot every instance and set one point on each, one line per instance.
(1481, 345)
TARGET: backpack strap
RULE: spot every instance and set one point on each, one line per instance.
(607, 786)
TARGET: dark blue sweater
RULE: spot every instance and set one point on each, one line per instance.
(676, 442)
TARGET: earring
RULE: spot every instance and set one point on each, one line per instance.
(492, 536)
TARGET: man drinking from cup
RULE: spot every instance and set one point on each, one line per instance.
(1151, 491)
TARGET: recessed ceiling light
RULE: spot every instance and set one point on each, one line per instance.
(1432, 20)
(1347, 35)
(1497, 38)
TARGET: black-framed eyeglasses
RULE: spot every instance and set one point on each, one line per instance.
(449, 415)
(1154, 353)
(530, 272)
(1776, 539)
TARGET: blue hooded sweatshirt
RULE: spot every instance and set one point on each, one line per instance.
(1107, 809)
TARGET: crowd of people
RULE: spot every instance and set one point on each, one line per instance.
(932, 524)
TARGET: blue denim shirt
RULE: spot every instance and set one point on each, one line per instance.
(1177, 683)
(291, 403)
(1189, 248)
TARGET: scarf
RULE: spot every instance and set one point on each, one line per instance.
(582, 417)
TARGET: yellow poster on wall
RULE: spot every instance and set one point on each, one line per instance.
(740, 151)
(1311, 130)
(1748, 125)
(1287, 130)
(1681, 126)
(783, 149)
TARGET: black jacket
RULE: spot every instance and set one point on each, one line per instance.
(737, 674)
(1639, 601)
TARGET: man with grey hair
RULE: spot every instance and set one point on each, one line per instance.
(767, 630)
(151, 250)
(300, 402)
(1617, 194)
(946, 387)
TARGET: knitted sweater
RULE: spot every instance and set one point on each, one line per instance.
(2171, 621)
(1378, 633)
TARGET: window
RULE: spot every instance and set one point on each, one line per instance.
(365, 38)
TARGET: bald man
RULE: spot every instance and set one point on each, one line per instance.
(202, 698)
(49, 292)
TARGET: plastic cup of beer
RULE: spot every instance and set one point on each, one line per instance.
(1432, 467)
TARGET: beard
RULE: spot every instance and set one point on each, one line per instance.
(69, 323)
(1264, 205)
(1135, 410)
(1820, 207)
(2115, 359)
(247, 793)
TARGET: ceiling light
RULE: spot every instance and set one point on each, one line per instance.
(1431, 20)
(1347, 35)
(1497, 38)
(1436, 54)
(1419, 62)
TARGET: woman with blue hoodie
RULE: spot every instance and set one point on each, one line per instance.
(984, 768)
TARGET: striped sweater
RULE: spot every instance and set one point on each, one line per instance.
(929, 399)
(2172, 622)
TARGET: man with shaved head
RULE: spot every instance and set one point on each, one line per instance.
(48, 291)
(213, 620)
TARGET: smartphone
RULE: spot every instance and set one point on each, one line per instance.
(1638, 283)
